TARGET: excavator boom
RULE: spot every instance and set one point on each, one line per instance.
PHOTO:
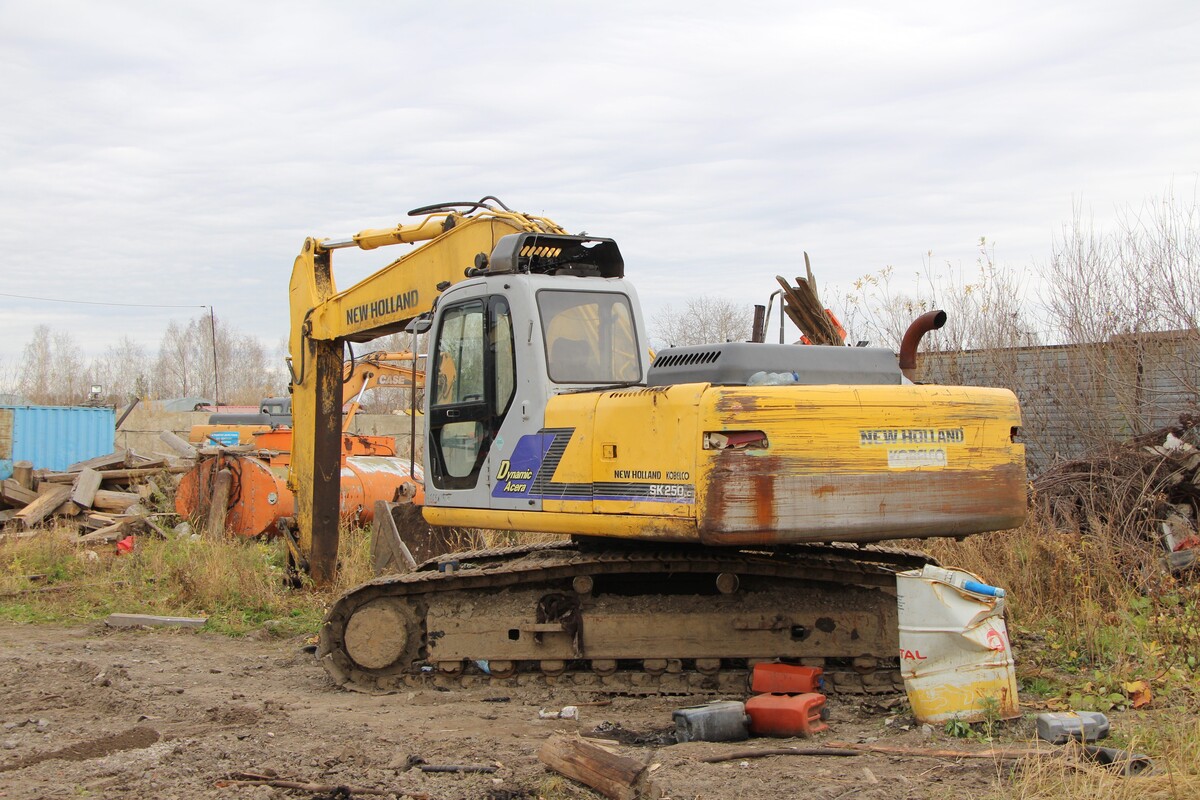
(322, 319)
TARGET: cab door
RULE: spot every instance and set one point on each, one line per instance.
(470, 386)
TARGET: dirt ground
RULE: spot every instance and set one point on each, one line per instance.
(94, 712)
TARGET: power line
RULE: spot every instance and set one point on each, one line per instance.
(97, 302)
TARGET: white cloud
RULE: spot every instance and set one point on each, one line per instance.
(180, 153)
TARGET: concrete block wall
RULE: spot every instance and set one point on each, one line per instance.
(141, 428)
(1076, 397)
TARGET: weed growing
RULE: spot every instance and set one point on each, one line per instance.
(1091, 614)
(239, 585)
(1172, 741)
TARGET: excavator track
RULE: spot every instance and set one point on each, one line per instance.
(622, 619)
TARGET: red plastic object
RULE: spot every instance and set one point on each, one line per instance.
(785, 679)
(786, 714)
(125, 545)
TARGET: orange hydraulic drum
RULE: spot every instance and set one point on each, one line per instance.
(259, 497)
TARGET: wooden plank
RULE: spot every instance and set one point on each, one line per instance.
(86, 486)
(113, 533)
(117, 458)
(139, 620)
(15, 494)
(96, 521)
(613, 775)
(7, 514)
(151, 463)
(33, 514)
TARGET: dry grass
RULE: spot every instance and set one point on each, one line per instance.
(239, 585)
(1172, 742)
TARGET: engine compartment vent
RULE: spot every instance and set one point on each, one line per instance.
(671, 358)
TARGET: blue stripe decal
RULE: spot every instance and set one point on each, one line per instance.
(529, 473)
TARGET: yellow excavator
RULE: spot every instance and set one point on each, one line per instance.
(718, 506)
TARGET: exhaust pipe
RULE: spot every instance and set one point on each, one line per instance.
(920, 326)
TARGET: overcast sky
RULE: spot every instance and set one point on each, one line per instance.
(179, 153)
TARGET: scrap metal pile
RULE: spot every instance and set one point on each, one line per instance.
(1145, 489)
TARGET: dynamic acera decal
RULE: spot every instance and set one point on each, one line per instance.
(529, 473)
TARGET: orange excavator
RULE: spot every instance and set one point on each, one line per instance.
(257, 498)
(379, 369)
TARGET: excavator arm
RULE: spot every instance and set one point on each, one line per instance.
(322, 319)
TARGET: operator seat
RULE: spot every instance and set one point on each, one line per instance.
(572, 361)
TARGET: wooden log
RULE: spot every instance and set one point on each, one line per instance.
(219, 507)
(85, 487)
(118, 474)
(15, 494)
(33, 514)
(178, 444)
(613, 775)
(67, 509)
(23, 473)
(108, 500)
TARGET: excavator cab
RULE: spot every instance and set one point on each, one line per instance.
(505, 342)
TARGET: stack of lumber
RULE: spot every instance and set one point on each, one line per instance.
(105, 497)
(1145, 489)
(803, 307)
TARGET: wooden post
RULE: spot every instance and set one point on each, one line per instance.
(215, 527)
(613, 775)
(23, 474)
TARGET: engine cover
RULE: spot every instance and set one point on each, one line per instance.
(732, 364)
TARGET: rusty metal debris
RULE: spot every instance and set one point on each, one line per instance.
(1146, 489)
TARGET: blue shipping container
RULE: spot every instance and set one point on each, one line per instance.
(54, 437)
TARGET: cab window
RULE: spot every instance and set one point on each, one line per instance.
(589, 337)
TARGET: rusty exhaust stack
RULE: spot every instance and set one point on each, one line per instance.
(920, 326)
(758, 331)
